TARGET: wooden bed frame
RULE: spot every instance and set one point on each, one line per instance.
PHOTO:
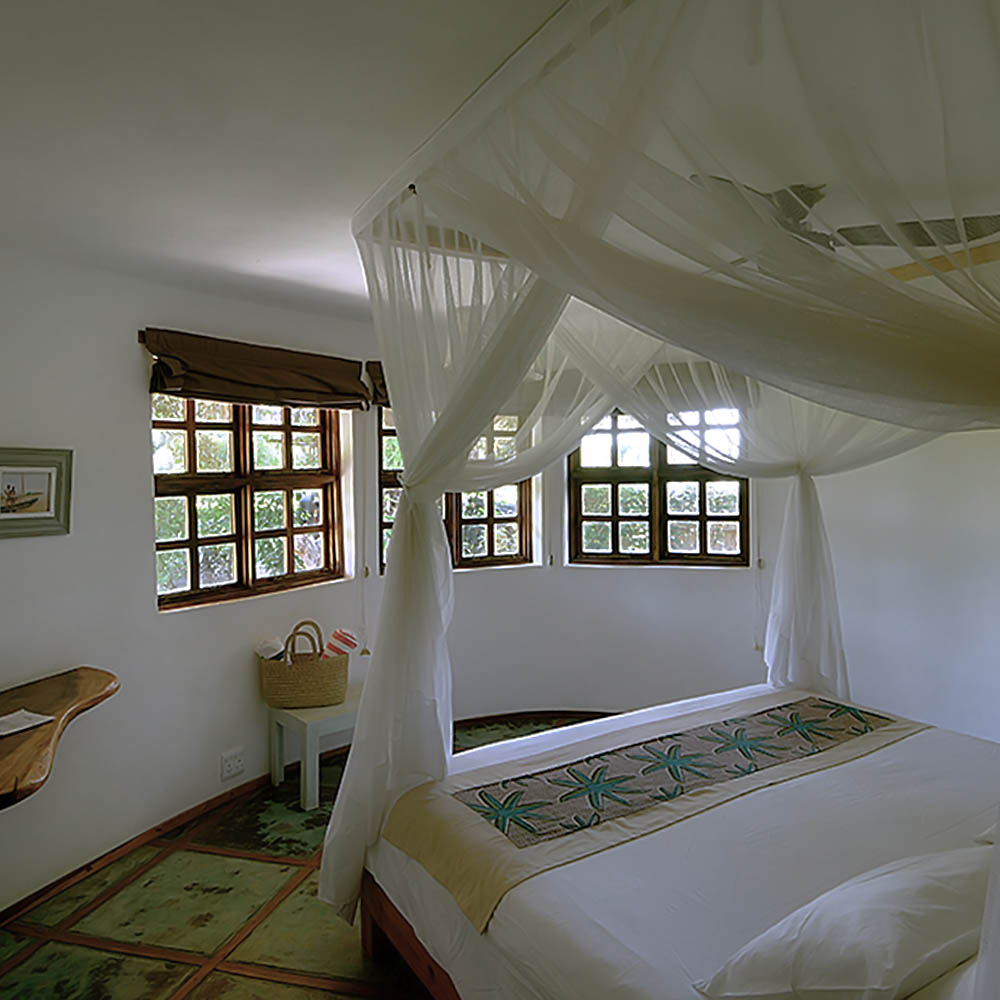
(384, 930)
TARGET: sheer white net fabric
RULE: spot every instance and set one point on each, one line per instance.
(818, 236)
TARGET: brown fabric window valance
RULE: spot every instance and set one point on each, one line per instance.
(192, 365)
(376, 375)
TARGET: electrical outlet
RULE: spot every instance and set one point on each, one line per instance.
(232, 763)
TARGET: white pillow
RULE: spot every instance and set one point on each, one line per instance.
(881, 935)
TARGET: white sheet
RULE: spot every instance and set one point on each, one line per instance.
(650, 917)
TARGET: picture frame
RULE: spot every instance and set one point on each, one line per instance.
(35, 487)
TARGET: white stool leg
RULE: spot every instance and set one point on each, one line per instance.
(276, 743)
(309, 790)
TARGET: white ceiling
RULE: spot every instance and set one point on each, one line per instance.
(225, 144)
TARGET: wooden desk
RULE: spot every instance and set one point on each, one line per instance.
(26, 757)
(310, 724)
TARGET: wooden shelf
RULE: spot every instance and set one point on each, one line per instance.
(26, 757)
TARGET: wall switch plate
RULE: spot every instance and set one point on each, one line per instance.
(232, 763)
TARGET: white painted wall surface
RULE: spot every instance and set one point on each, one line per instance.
(916, 545)
(72, 375)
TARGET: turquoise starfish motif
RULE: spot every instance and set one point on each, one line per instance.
(511, 810)
(794, 723)
(739, 741)
(672, 761)
(836, 710)
(596, 787)
(579, 823)
(665, 794)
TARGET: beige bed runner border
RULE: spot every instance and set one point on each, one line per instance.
(478, 865)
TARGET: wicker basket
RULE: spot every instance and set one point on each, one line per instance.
(304, 680)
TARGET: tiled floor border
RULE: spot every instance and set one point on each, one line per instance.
(205, 965)
(157, 837)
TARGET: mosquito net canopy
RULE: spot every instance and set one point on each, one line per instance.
(789, 210)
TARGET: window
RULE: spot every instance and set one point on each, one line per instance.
(247, 499)
(485, 527)
(635, 500)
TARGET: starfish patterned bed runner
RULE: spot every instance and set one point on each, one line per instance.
(578, 796)
(481, 832)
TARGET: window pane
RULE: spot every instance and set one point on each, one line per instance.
(503, 448)
(386, 535)
(171, 515)
(169, 452)
(595, 451)
(215, 514)
(479, 450)
(633, 498)
(167, 407)
(505, 501)
(208, 411)
(387, 418)
(308, 551)
(390, 503)
(474, 504)
(305, 416)
(627, 423)
(305, 450)
(675, 457)
(215, 451)
(474, 540)
(690, 417)
(173, 571)
(270, 557)
(216, 564)
(268, 510)
(505, 539)
(724, 441)
(724, 538)
(505, 424)
(724, 415)
(268, 414)
(392, 457)
(633, 449)
(682, 497)
(268, 450)
(596, 498)
(603, 425)
(307, 507)
(596, 536)
(633, 536)
(722, 497)
(683, 536)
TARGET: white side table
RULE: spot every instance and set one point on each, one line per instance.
(310, 724)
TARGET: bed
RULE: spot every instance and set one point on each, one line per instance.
(650, 916)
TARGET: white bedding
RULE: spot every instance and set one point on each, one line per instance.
(649, 917)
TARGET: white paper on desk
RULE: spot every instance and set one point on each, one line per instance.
(22, 719)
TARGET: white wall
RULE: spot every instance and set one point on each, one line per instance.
(73, 376)
(916, 545)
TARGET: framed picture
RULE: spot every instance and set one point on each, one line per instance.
(35, 491)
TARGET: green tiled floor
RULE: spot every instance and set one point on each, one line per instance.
(193, 908)
(189, 900)
(58, 908)
(69, 972)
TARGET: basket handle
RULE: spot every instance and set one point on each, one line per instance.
(302, 629)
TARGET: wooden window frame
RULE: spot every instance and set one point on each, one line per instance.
(455, 520)
(243, 482)
(656, 475)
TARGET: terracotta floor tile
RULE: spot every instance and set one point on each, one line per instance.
(190, 901)
(69, 972)
(69, 900)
